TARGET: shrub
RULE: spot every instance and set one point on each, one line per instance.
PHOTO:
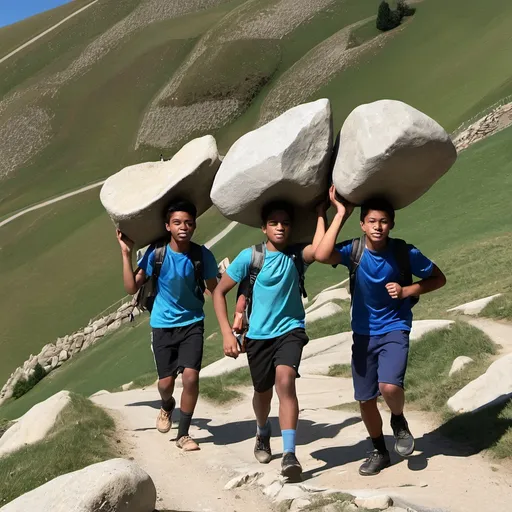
(403, 9)
(388, 19)
(24, 386)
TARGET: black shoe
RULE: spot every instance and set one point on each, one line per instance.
(290, 466)
(262, 450)
(404, 442)
(375, 463)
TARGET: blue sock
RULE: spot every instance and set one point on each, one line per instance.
(263, 431)
(288, 440)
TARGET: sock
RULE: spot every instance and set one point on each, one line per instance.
(184, 425)
(288, 440)
(397, 417)
(168, 405)
(379, 444)
(263, 431)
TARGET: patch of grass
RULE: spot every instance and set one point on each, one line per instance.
(362, 34)
(219, 389)
(347, 406)
(340, 500)
(500, 308)
(340, 370)
(84, 434)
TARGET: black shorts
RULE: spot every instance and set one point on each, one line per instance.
(177, 348)
(265, 355)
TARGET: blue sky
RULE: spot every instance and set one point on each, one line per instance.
(12, 11)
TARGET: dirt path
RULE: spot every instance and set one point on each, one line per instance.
(42, 34)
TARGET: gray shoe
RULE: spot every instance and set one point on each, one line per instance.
(404, 441)
(375, 463)
(262, 450)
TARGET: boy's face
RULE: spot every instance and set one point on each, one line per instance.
(278, 227)
(181, 226)
(377, 225)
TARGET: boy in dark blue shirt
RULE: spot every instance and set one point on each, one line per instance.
(381, 319)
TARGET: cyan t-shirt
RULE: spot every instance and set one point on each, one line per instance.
(374, 312)
(176, 303)
(277, 303)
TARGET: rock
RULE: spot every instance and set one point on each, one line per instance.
(243, 479)
(287, 158)
(459, 363)
(55, 361)
(79, 341)
(114, 326)
(224, 365)
(389, 148)
(494, 386)
(137, 196)
(328, 296)
(47, 369)
(324, 311)
(291, 492)
(99, 333)
(273, 489)
(63, 356)
(88, 330)
(116, 485)
(299, 504)
(100, 392)
(34, 425)
(380, 502)
(475, 307)
(127, 386)
(99, 324)
(421, 327)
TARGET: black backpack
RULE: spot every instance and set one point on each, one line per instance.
(246, 286)
(401, 254)
(147, 293)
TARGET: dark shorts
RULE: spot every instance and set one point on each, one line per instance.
(265, 355)
(378, 359)
(177, 348)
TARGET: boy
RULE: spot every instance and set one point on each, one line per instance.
(177, 317)
(276, 333)
(381, 319)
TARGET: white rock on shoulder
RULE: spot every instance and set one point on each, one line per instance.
(459, 363)
(35, 424)
(391, 149)
(324, 311)
(136, 197)
(475, 307)
(381, 502)
(116, 485)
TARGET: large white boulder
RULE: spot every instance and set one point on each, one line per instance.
(390, 149)
(491, 387)
(324, 311)
(286, 159)
(35, 424)
(475, 307)
(116, 485)
(137, 196)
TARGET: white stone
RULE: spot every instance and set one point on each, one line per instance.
(328, 296)
(389, 148)
(421, 327)
(137, 196)
(127, 386)
(475, 307)
(494, 386)
(88, 330)
(343, 284)
(116, 485)
(243, 479)
(286, 159)
(114, 326)
(55, 361)
(273, 489)
(224, 365)
(100, 392)
(291, 492)
(35, 424)
(324, 311)
(99, 333)
(63, 356)
(459, 363)
(381, 502)
(299, 504)
(47, 369)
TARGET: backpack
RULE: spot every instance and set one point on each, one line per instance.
(401, 254)
(246, 286)
(146, 295)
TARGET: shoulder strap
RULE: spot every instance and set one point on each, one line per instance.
(196, 256)
(295, 253)
(401, 254)
(160, 248)
(356, 253)
(257, 261)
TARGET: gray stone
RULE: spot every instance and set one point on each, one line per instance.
(389, 148)
(286, 159)
(55, 361)
(79, 341)
(243, 479)
(137, 210)
(273, 489)
(324, 311)
(88, 330)
(459, 363)
(63, 355)
(99, 324)
(380, 502)
(99, 333)
(116, 485)
(114, 325)
(47, 369)
(127, 386)
(475, 307)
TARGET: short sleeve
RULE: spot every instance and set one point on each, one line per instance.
(344, 248)
(421, 266)
(239, 267)
(210, 268)
(146, 262)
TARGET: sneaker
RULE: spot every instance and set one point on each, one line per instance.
(187, 444)
(375, 463)
(290, 466)
(404, 441)
(262, 450)
(164, 420)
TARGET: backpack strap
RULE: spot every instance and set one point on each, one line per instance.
(196, 257)
(257, 261)
(356, 253)
(401, 254)
(295, 252)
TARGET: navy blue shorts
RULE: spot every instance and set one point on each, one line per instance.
(378, 359)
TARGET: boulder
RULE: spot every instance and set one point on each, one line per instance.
(475, 307)
(459, 363)
(99, 333)
(114, 326)
(34, 425)
(328, 296)
(63, 356)
(55, 361)
(390, 149)
(494, 386)
(381, 502)
(116, 485)
(79, 341)
(137, 196)
(324, 311)
(286, 159)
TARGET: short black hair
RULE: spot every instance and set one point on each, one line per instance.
(180, 205)
(377, 203)
(275, 206)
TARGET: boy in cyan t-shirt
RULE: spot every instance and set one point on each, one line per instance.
(276, 333)
(381, 320)
(177, 317)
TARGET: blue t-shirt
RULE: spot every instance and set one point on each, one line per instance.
(374, 312)
(176, 303)
(276, 300)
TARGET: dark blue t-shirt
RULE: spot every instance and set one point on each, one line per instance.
(374, 312)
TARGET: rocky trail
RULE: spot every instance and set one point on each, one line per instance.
(331, 444)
